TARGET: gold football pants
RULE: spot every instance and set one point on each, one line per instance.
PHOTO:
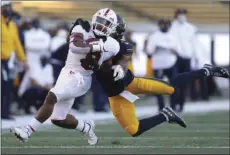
(124, 110)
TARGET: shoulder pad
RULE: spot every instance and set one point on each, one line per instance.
(112, 45)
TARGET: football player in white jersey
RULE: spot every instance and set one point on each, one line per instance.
(74, 80)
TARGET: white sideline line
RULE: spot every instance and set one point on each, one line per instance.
(133, 138)
(114, 131)
(113, 147)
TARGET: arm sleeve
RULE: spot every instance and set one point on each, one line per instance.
(150, 47)
(195, 43)
(112, 45)
(176, 44)
(47, 41)
(18, 46)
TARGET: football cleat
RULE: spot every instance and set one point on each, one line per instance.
(172, 117)
(216, 71)
(22, 133)
(92, 140)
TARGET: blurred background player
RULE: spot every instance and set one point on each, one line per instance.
(33, 88)
(185, 33)
(60, 37)
(162, 46)
(10, 44)
(37, 43)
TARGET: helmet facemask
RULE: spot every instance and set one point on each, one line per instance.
(103, 27)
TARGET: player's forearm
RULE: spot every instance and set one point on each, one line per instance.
(77, 44)
(78, 47)
(124, 62)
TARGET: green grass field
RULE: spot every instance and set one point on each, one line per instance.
(207, 134)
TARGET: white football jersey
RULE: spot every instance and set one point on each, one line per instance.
(111, 46)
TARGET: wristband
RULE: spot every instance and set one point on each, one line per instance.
(96, 48)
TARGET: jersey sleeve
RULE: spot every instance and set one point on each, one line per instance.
(150, 47)
(112, 45)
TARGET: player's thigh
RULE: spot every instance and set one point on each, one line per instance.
(133, 86)
(70, 85)
(149, 86)
(124, 111)
(61, 109)
(138, 86)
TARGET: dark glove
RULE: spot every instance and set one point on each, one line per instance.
(84, 23)
(90, 63)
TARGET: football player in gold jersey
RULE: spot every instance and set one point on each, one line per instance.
(122, 92)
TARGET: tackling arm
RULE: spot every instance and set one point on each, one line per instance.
(123, 62)
(124, 56)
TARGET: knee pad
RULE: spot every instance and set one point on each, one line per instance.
(132, 129)
(171, 90)
(130, 126)
(124, 112)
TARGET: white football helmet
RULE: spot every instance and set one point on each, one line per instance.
(104, 22)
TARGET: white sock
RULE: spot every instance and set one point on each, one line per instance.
(83, 126)
(34, 124)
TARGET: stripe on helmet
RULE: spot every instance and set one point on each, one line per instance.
(106, 12)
